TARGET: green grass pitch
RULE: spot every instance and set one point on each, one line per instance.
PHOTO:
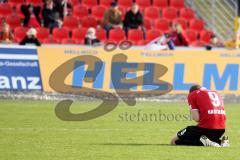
(29, 130)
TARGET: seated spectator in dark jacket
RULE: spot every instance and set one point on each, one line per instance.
(31, 15)
(51, 16)
(112, 18)
(177, 35)
(6, 36)
(31, 38)
(90, 38)
(134, 19)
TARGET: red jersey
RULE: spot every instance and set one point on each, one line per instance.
(211, 108)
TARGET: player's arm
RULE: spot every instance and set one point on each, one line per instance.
(195, 114)
(194, 111)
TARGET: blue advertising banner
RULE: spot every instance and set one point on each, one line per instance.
(19, 69)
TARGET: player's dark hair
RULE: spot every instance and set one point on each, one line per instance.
(194, 88)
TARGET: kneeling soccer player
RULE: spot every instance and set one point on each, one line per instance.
(207, 109)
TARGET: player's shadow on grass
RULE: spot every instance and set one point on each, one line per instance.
(131, 144)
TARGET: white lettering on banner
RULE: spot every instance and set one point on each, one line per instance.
(4, 83)
(19, 82)
(33, 83)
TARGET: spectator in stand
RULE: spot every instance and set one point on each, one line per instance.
(163, 42)
(31, 15)
(31, 38)
(63, 7)
(51, 16)
(6, 36)
(215, 42)
(178, 36)
(134, 19)
(90, 38)
(112, 18)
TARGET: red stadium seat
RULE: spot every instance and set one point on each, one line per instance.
(182, 22)
(89, 22)
(59, 34)
(19, 33)
(187, 13)
(78, 35)
(15, 2)
(147, 24)
(80, 11)
(152, 13)
(50, 41)
(197, 25)
(191, 36)
(153, 34)
(177, 3)
(141, 43)
(101, 34)
(89, 3)
(125, 3)
(1, 21)
(74, 2)
(42, 33)
(98, 12)
(162, 25)
(18, 11)
(160, 3)
(13, 21)
(170, 13)
(205, 36)
(143, 3)
(106, 3)
(197, 43)
(68, 41)
(35, 2)
(5, 9)
(70, 22)
(135, 35)
(116, 35)
(77, 41)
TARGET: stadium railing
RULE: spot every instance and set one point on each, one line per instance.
(219, 15)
